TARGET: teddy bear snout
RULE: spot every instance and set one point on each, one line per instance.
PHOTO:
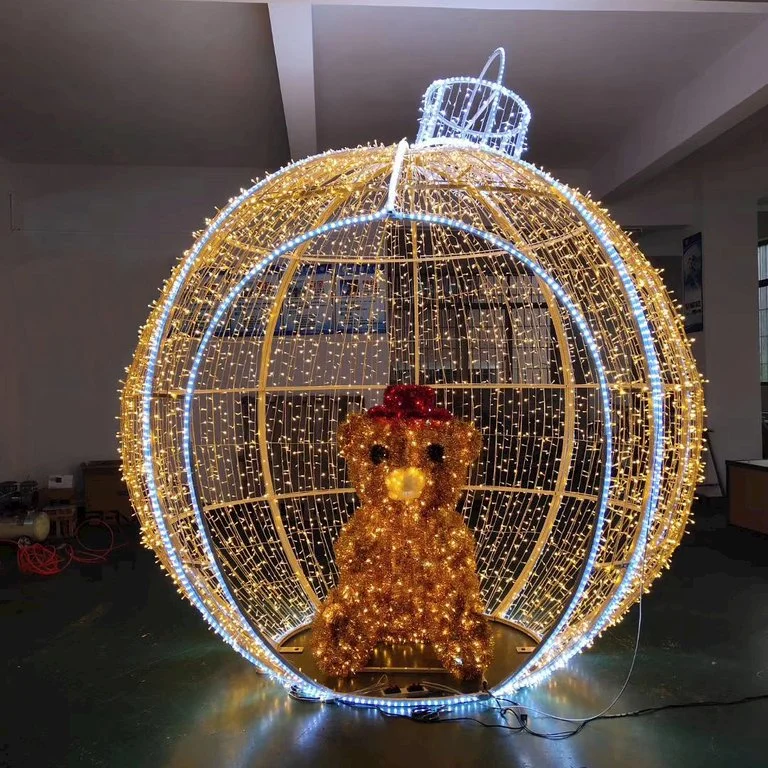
(405, 484)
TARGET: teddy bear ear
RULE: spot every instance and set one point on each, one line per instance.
(348, 430)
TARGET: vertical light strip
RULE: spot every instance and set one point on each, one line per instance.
(657, 404)
(657, 401)
(146, 423)
(292, 675)
(397, 167)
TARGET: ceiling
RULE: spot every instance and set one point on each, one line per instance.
(140, 82)
(174, 82)
(585, 76)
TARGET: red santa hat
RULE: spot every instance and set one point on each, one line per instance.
(409, 401)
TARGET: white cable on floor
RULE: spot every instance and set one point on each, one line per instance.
(631, 666)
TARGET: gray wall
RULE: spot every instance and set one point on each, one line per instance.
(664, 249)
(87, 251)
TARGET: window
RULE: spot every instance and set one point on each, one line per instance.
(762, 277)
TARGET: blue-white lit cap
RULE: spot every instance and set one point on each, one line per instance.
(477, 110)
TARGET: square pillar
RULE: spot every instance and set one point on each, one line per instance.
(728, 348)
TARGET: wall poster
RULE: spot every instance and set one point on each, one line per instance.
(693, 304)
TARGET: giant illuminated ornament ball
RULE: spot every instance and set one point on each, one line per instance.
(551, 398)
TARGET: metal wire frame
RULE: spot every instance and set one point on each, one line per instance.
(285, 363)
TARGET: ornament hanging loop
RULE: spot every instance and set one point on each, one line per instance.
(499, 54)
(489, 106)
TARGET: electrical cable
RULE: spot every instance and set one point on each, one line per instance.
(437, 715)
(295, 692)
(522, 718)
(601, 714)
(440, 687)
(50, 560)
(631, 665)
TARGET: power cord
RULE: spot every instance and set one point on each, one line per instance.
(584, 720)
(508, 707)
(523, 719)
(297, 694)
(51, 560)
(600, 715)
(521, 722)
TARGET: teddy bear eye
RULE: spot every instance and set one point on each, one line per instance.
(378, 453)
(436, 452)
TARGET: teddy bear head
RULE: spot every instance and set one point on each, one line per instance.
(408, 451)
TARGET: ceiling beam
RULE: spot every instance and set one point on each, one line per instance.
(674, 6)
(655, 6)
(728, 91)
(291, 22)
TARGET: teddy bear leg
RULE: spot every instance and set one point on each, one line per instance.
(342, 644)
(463, 645)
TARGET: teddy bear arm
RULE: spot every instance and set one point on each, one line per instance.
(342, 641)
(463, 643)
(359, 550)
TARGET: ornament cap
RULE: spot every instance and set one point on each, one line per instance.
(475, 110)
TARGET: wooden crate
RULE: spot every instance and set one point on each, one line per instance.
(63, 521)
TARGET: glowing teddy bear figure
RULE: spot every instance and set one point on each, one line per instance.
(406, 559)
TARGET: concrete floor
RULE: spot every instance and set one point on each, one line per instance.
(106, 666)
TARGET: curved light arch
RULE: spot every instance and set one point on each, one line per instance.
(179, 571)
(493, 240)
(628, 583)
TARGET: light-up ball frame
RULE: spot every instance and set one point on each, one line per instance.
(444, 263)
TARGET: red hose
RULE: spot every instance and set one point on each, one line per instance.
(49, 560)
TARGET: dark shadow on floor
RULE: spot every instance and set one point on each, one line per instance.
(108, 666)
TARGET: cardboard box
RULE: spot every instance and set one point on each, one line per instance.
(748, 494)
(105, 491)
(60, 482)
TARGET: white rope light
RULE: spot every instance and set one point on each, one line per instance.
(450, 263)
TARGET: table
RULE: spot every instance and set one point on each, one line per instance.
(748, 494)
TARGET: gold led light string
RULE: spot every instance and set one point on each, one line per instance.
(260, 418)
(567, 372)
(479, 223)
(483, 328)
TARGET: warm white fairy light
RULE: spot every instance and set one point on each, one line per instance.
(449, 264)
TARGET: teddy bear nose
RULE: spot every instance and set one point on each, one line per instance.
(405, 484)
